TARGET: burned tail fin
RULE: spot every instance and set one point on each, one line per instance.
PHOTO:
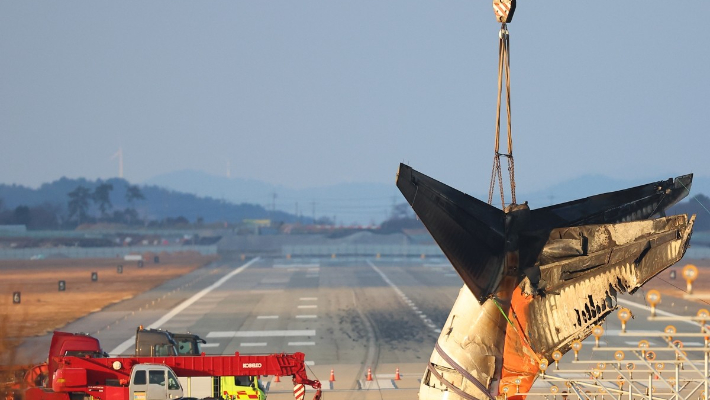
(469, 231)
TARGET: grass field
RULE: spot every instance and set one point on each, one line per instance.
(44, 308)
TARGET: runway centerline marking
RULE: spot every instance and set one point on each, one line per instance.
(267, 317)
(253, 344)
(306, 316)
(180, 307)
(308, 306)
(301, 343)
(308, 298)
(296, 265)
(428, 322)
(274, 333)
(209, 345)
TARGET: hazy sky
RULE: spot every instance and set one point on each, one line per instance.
(307, 93)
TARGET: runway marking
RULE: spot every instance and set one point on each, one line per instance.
(428, 322)
(210, 345)
(266, 291)
(308, 306)
(275, 280)
(308, 298)
(182, 306)
(267, 317)
(377, 384)
(276, 333)
(306, 316)
(310, 363)
(296, 265)
(253, 344)
(301, 343)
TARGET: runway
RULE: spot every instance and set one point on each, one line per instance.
(345, 315)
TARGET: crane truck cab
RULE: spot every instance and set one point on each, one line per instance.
(158, 343)
(154, 343)
(153, 382)
(239, 387)
(188, 344)
(72, 344)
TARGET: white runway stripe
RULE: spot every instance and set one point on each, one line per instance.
(276, 333)
(253, 344)
(311, 306)
(296, 265)
(301, 343)
(306, 316)
(209, 345)
(179, 309)
(267, 317)
(308, 298)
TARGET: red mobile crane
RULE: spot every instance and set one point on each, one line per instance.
(91, 375)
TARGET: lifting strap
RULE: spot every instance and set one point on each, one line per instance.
(496, 174)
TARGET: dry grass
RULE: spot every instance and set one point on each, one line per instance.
(44, 308)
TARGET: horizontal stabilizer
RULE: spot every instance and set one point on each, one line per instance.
(633, 204)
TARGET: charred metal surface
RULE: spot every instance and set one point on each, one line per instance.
(472, 235)
(589, 265)
(569, 262)
(469, 231)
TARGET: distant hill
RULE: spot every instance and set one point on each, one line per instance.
(360, 203)
(366, 202)
(159, 203)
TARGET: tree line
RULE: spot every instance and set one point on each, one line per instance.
(79, 203)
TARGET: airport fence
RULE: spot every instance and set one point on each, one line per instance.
(98, 252)
(361, 250)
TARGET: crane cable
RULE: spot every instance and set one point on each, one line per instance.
(496, 173)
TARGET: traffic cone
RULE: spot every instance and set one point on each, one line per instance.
(369, 374)
(332, 376)
(277, 379)
(396, 375)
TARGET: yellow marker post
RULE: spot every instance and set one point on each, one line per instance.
(557, 356)
(576, 346)
(654, 298)
(597, 331)
(670, 331)
(624, 316)
(690, 273)
(543, 367)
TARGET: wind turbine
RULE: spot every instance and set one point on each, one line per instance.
(119, 154)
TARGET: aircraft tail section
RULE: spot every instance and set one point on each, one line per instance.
(470, 232)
